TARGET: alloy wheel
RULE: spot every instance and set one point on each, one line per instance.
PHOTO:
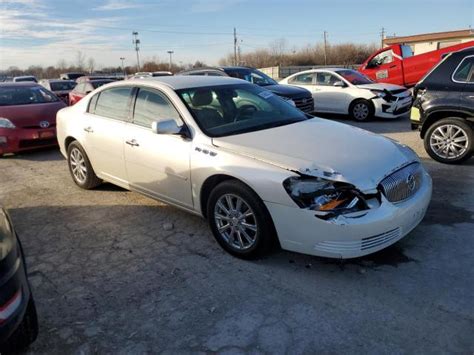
(78, 165)
(360, 111)
(235, 221)
(449, 141)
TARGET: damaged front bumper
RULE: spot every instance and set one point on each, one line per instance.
(350, 235)
(391, 109)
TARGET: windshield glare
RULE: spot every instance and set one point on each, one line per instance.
(233, 109)
(354, 77)
(24, 96)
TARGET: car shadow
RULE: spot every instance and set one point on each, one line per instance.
(40, 154)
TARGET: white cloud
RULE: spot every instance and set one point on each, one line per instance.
(116, 5)
(203, 6)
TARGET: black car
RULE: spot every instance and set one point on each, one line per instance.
(443, 109)
(70, 76)
(18, 321)
(301, 98)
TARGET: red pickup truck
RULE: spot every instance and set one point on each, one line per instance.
(396, 64)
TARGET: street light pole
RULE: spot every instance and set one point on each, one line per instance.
(136, 42)
(123, 68)
(170, 53)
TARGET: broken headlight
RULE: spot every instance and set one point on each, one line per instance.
(327, 198)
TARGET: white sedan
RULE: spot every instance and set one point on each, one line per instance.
(258, 169)
(346, 91)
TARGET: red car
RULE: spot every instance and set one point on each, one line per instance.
(27, 117)
(397, 65)
(85, 87)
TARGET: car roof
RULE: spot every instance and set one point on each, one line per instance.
(25, 84)
(59, 80)
(23, 76)
(179, 82)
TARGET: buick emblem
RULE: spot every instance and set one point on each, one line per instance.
(44, 124)
(411, 182)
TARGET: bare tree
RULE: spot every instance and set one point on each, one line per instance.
(80, 60)
(90, 65)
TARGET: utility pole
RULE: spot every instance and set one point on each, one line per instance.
(136, 42)
(325, 34)
(170, 53)
(123, 68)
(235, 46)
(382, 37)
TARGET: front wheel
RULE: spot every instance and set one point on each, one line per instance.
(361, 110)
(239, 220)
(449, 140)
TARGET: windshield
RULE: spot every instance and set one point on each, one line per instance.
(354, 77)
(233, 109)
(62, 85)
(25, 95)
(99, 83)
(251, 75)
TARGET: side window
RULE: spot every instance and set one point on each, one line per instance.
(384, 57)
(326, 79)
(302, 79)
(93, 103)
(465, 71)
(114, 103)
(152, 106)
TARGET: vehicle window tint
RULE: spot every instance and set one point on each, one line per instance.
(151, 106)
(326, 79)
(114, 103)
(302, 79)
(25, 95)
(65, 85)
(465, 70)
(93, 103)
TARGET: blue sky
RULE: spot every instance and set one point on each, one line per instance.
(43, 31)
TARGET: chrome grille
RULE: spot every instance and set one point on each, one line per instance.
(403, 183)
(305, 104)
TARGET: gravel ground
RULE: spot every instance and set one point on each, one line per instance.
(111, 275)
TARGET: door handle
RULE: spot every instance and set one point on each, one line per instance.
(89, 130)
(132, 143)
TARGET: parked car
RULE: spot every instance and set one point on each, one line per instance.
(18, 319)
(84, 88)
(71, 76)
(86, 78)
(144, 75)
(18, 79)
(27, 117)
(396, 64)
(346, 91)
(298, 97)
(60, 87)
(443, 110)
(256, 167)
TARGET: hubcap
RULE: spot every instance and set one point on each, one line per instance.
(449, 141)
(78, 165)
(235, 222)
(361, 111)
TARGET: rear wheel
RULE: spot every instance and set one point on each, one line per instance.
(361, 110)
(449, 140)
(80, 167)
(239, 220)
(26, 332)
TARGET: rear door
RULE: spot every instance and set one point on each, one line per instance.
(465, 74)
(308, 82)
(157, 164)
(105, 128)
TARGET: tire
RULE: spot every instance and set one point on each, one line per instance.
(25, 334)
(84, 175)
(361, 110)
(245, 236)
(453, 134)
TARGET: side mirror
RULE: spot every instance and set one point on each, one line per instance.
(166, 127)
(339, 84)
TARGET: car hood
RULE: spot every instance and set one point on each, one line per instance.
(292, 92)
(381, 86)
(31, 114)
(325, 149)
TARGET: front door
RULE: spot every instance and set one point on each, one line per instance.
(157, 164)
(330, 98)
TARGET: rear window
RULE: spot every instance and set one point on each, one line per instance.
(65, 85)
(114, 103)
(10, 96)
(98, 83)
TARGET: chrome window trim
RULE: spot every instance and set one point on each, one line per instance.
(455, 70)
